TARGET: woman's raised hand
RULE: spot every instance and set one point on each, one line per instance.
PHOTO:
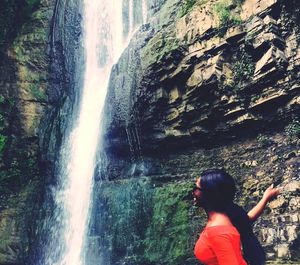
(271, 193)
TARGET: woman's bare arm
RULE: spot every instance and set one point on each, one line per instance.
(257, 210)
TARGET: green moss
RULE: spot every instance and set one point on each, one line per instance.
(125, 214)
(187, 5)
(3, 140)
(15, 223)
(21, 54)
(170, 44)
(227, 19)
(169, 13)
(29, 49)
(160, 46)
(23, 30)
(293, 129)
(168, 239)
(20, 167)
(37, 92)
(143, 222)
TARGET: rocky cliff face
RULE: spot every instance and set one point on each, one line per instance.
(40, 51)
(23, 82)
(204, 84)
(211, 74)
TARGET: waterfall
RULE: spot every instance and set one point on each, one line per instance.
(144, 11)
(103, 41)
(130, 16)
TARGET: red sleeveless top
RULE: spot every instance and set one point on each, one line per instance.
(219, 245)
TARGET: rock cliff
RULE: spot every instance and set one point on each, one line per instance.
(23, 82)
(208, 75)
(40, 58)
(203, 84)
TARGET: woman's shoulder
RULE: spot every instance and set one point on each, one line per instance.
(220, 230)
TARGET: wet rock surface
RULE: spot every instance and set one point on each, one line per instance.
(23, 82)
(187, 94)
(206, 95)
(37, 72)
(148, 218)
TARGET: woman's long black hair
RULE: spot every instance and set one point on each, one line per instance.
(218, 191)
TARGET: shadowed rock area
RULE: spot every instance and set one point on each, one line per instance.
(37, 69)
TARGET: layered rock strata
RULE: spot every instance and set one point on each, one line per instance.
(214, 86)
(193, 84)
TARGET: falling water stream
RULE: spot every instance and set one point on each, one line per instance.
(103, 41)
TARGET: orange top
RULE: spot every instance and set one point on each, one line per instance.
(219, 245)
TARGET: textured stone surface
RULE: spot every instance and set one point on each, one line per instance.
(37, 76)
(210, 97)
(23, 82)
(155, 203)
(187, 94)
(207, 85)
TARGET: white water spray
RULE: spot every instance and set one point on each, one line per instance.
(104, 42)
(144, 11)
(131, 18)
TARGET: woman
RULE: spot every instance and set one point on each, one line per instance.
(228, 224)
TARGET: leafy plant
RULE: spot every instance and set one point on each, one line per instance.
(227, 19)
(249, 39)
(263, 140)
(242, 71)
(243, 68)
(293, 129)
(3, 140)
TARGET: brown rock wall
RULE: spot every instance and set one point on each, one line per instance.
(220, 97)
(234, 80)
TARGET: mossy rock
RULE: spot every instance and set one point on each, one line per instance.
(169, 238)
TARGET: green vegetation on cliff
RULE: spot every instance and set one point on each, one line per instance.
(187, 6)
(3, 140)
(243, 68)
(227, 18)
(293, 128)
(168, 239)
(24, 27)
(13, 13)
